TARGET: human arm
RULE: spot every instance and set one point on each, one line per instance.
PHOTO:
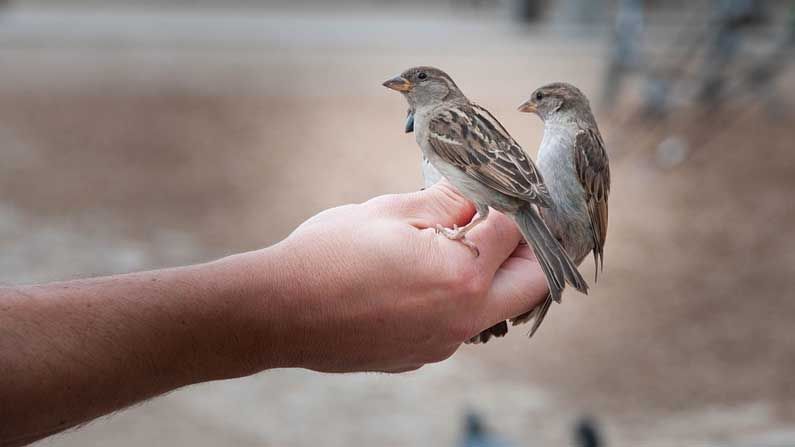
(365, 287)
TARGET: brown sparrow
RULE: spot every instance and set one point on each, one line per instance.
(574, 162)
(469, 147)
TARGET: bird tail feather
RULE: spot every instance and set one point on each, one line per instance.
(538, 313)
(555, 263)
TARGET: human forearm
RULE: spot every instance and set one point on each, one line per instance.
(72, 351)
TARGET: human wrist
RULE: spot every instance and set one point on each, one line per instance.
(253, 294)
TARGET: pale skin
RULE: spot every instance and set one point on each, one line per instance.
(368, 287)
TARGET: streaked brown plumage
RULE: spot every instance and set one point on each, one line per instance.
(469, 147)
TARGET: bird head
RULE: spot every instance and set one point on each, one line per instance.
(556, 100)
(424, 86)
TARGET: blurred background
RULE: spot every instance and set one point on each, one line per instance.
(144, 134)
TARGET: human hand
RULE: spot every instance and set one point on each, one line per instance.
(372, 287)
(367, 287)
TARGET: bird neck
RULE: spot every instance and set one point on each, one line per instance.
(560, 128)
(430, 106)
(561, 119)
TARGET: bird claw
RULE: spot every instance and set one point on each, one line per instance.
(455, 234)
(472, 247)
(451, 233)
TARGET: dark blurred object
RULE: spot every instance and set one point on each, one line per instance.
(527, 11)
(732, 18)
(577, 16)
(586, 434)
(626, 48)
(476, 434)
(718, 36)
(732, 51)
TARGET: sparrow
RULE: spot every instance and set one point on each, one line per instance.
(574, 162)
(473, 151)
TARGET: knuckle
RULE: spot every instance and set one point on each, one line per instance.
(329, 214)
(453, 204)
(449, 196)
(382, 204)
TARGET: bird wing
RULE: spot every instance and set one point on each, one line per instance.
(593, 171)
(470, 138)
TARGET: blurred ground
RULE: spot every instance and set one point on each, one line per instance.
(136, 140)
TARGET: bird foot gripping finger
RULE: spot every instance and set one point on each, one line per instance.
(451, 233)
(456, 234)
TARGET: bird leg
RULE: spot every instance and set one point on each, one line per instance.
(459, 233)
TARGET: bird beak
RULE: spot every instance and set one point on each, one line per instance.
(528, 107)
(398, 83)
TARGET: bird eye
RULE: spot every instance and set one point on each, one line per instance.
(539, 96)
(422, 75)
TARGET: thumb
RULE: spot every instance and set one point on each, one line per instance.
(439, 204)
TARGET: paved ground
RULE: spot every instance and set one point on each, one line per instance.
(146, 140)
